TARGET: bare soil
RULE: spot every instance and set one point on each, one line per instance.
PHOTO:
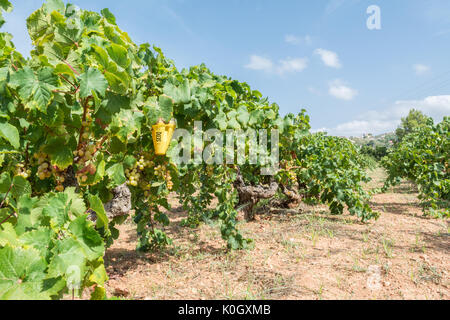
(309, 255)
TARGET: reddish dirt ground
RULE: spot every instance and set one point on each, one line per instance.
(309, 255)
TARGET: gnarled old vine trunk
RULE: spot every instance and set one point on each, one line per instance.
(250, 195)
(119, 205)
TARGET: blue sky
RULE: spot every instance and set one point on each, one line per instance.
(318, 55)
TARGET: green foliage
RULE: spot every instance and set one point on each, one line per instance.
(48, 248)
(75, 122)
(5, 5)
(377, 153)
(414, 121)
(330, 170)
(423, 157)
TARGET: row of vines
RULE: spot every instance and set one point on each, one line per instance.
(423, 157)
(76, 139)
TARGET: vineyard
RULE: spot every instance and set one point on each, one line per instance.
(79, 169)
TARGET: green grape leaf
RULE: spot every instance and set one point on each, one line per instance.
(117, 146)
(77, 205)
(60, 154)
(10, 134)
(64, 69)
(221, 121)
(92, 81)
(119, 55)
(57, 209)
(69, 260)
(118, 81)
(54, 5)
(37, 24)
(243, 116)
(20, 187)
(116, 174)
(87, 237)
(98, 294)
(22, 274)
(108, 15)
(179, 94)
(8, 235)
(233, 124)
(5, 182)
(99, 275)
(25, 219)
(35, 89)
(5, 5)
(39, 239)
(101, 56)
(97, 205)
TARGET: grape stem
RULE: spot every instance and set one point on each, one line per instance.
(6, 195)
(7, 218)
(100, 144)
(3, 202)
(68, 81)
(27, 158)
(85, 109)
(72, 68)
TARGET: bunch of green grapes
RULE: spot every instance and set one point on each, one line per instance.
(137, 172)
(209, 171)
(162, 172)
(86, 151)
(46, 171)
(45, 168)
(22, 171)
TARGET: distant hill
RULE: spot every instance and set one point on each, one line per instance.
(383, 140)
(375, 146)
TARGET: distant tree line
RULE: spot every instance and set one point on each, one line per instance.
(378, 146)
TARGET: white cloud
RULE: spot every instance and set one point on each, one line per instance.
(340, 91)
(296, 40)
(259, 63)
(359, 127)
(292, 65)
(421, 69)
(283, 66)
(329, 58)
(434, 106)
(377, 122)
(319, 130)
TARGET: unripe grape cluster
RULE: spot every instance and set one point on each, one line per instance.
(293, 176)
(46, 171)
(161, 171)
(86, 152)
(22, 171)
(139, 175)
(210, 171)
(135, 174)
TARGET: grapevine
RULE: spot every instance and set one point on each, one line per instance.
(423, 158)
(76, 124)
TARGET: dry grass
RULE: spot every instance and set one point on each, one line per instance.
(311, 255)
